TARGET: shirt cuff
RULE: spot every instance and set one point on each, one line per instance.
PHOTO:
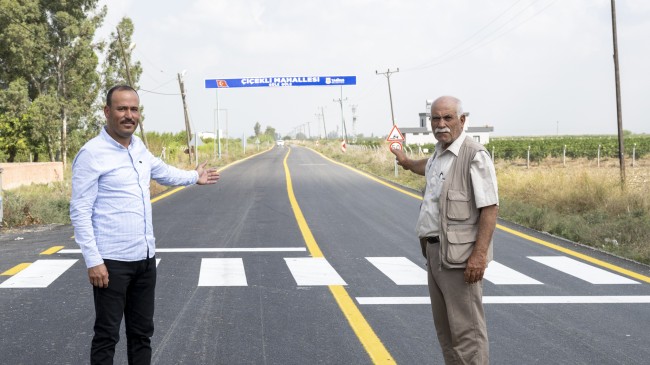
(92, 259)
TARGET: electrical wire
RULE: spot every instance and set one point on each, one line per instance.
(453, 54)
(157, 93)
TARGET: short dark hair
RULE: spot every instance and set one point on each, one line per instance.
(109, 94)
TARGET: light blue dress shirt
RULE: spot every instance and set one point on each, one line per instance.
(110, 207)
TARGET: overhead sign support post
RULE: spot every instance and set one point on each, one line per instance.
(217, 129)
(395, 137)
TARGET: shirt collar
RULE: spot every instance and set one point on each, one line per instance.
(455, 145)
(107, 137)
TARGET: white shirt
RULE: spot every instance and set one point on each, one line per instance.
(484, 182)
(110, 207)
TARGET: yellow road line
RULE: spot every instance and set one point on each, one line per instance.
(16, 269)
(163, 196)
(403, 191)
(51, 250)
(516, 233)
(576, 254)
(366, 335)
(310, 241)
(176, 190)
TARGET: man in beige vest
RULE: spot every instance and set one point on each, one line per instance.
(456, 223)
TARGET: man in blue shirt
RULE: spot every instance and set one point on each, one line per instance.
(110, 210)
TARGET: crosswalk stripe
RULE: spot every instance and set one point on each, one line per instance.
(499, 274)
(581, 270)
(312, 271)
(400, 270)
(40, 274)
(514, 299)
(222, 272)
(209, 249)
(315, 271)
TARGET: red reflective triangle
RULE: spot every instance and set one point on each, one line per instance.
(395, 135)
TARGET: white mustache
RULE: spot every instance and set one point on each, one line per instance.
(442, 130)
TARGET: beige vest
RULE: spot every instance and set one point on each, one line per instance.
(458, 212)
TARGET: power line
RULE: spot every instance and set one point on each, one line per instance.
(450, 54)
(157, 93)
(507, 31)
(425, 64)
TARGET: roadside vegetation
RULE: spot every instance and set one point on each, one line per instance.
(579, 199)
(50, 204)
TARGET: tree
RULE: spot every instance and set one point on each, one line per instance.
(44, 118)
(270, 131)
(119, 68)
(115, 62)
(22, 40)
(257, 128)
(50, 44)
(14, 126)
(73, 61)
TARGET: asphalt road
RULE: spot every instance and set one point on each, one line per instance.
(294, 259)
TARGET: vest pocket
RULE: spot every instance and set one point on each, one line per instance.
(461, 244)
(458, 205)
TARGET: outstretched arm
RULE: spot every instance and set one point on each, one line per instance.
(207, 176)
(417, 166)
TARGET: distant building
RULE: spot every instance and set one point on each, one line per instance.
(423, 135)
(207, 135)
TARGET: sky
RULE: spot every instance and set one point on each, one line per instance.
(524, 67)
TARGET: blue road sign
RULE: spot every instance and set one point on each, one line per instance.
(281, 81)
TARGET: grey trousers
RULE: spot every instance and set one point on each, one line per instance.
(457, 313)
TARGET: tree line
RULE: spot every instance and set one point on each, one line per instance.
(51, 79)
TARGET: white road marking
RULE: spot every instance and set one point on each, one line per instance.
(500, 274)
(597, 299)
(40, 274)
(311, 271)
(214, 249)
(581, 270)
(222, 272)
(400, 270)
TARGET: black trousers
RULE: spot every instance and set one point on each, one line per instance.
(130, 294)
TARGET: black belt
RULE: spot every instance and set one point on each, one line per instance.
(435, 239)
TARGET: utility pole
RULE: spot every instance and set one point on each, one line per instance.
(390, 96)
(619, 110)
(317, 115)
(130, 80)
(354, 122)
(188, 130)
(322, 113)
(340, 101)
